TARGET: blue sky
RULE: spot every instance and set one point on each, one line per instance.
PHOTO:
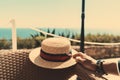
(100, 14)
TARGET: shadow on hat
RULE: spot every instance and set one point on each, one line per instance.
(53, 59)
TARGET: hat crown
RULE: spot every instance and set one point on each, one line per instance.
(56, 45)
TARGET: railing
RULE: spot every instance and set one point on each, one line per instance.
(14, 38)
(74, 40)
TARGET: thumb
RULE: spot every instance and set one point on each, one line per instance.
(79, 59)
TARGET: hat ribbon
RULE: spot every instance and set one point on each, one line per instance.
(55, 57)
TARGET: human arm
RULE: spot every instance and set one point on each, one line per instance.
(110, 66)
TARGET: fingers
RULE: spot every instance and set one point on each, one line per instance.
(80, 54)
(79, 57)
(87, 61)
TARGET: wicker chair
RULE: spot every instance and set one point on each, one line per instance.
(16, 66)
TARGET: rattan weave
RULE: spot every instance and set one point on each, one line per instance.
(17, 66)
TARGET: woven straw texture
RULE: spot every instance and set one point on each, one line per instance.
(17, 66)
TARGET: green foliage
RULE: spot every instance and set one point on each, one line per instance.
(36, 39)
(52, 32)
(103, 38)
(4, 44)
(25, 43)
(77, 37)
(65, 34)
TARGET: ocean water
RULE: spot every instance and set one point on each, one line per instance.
(6, 33)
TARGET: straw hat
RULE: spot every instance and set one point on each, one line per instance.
(53, 54)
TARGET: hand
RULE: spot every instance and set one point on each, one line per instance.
(87, 61)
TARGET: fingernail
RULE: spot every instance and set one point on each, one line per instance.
(77, 57)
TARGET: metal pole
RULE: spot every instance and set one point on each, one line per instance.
(82, 29)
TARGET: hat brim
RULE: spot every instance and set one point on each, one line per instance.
(35, 58)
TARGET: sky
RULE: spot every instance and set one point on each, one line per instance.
(100, 15)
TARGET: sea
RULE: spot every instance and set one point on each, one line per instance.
(6, 33)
